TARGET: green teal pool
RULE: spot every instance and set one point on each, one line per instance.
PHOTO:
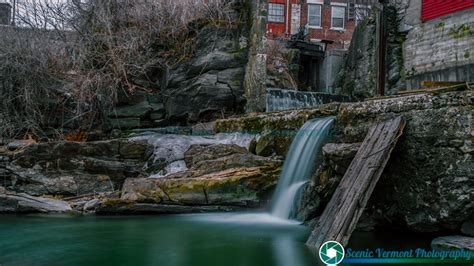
(176, 240)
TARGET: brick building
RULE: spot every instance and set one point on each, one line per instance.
(331, 21)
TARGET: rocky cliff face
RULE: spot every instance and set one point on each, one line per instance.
(428, 182)
(358, 77)
(210, 85)
(74, 168)
(205, 87)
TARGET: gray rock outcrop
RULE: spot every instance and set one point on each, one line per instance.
(11, 202)
(210, 85)
(218, 175)
(206, 85)
(75, 168)
(449, 243)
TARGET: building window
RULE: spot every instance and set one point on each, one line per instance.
(276, 13)
(314, 15)
(337, 19)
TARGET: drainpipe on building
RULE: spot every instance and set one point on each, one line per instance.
(382, 44)
(287, 20)
(14, 13)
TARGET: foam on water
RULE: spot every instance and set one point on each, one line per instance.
(244, 218)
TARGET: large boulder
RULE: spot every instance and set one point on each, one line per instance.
(449, 243)
(136, 110)
(11, 202)
(340, 155)
(128, 208)
(467, 228)
(225, 175)
(232, 187)
(206, 96)
(199, 153)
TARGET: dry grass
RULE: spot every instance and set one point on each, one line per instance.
(278, 60)
(110, 45)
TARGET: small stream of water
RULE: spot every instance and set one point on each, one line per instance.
(302, 159)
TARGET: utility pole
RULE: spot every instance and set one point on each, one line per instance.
(382, 47)
(14, 13)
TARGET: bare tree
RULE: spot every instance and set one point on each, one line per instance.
(84, 52)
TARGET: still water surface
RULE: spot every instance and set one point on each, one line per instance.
(176, 240)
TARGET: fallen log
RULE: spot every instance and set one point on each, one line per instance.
(342, 213)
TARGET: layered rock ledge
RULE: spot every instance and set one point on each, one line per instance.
(219, 177)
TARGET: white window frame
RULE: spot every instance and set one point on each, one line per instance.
(320, 17)
(343, 17)
(284, 13)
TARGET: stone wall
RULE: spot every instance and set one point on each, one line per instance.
(329, 71)
(441, 49)
(436, 50)
(428, 182)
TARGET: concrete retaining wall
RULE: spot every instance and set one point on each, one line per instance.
(439, 50)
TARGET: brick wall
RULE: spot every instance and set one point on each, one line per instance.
(340, 38)
(278, 30)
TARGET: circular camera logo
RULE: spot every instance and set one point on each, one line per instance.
(331, 253)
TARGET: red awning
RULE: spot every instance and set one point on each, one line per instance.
(437, 8)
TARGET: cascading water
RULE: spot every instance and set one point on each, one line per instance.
(278, 99)
(302, 159)
(300, 163)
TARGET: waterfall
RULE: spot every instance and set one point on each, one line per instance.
(303, 157)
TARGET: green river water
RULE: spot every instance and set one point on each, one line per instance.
(175, 240)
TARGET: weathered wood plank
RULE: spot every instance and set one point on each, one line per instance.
(462, 86)
(434, 84)
(342, 213)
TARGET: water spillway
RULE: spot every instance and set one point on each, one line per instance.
(280, 99)
(303, 157)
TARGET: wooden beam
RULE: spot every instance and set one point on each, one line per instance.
(342, 213)
(457, 87)
(435, 84)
